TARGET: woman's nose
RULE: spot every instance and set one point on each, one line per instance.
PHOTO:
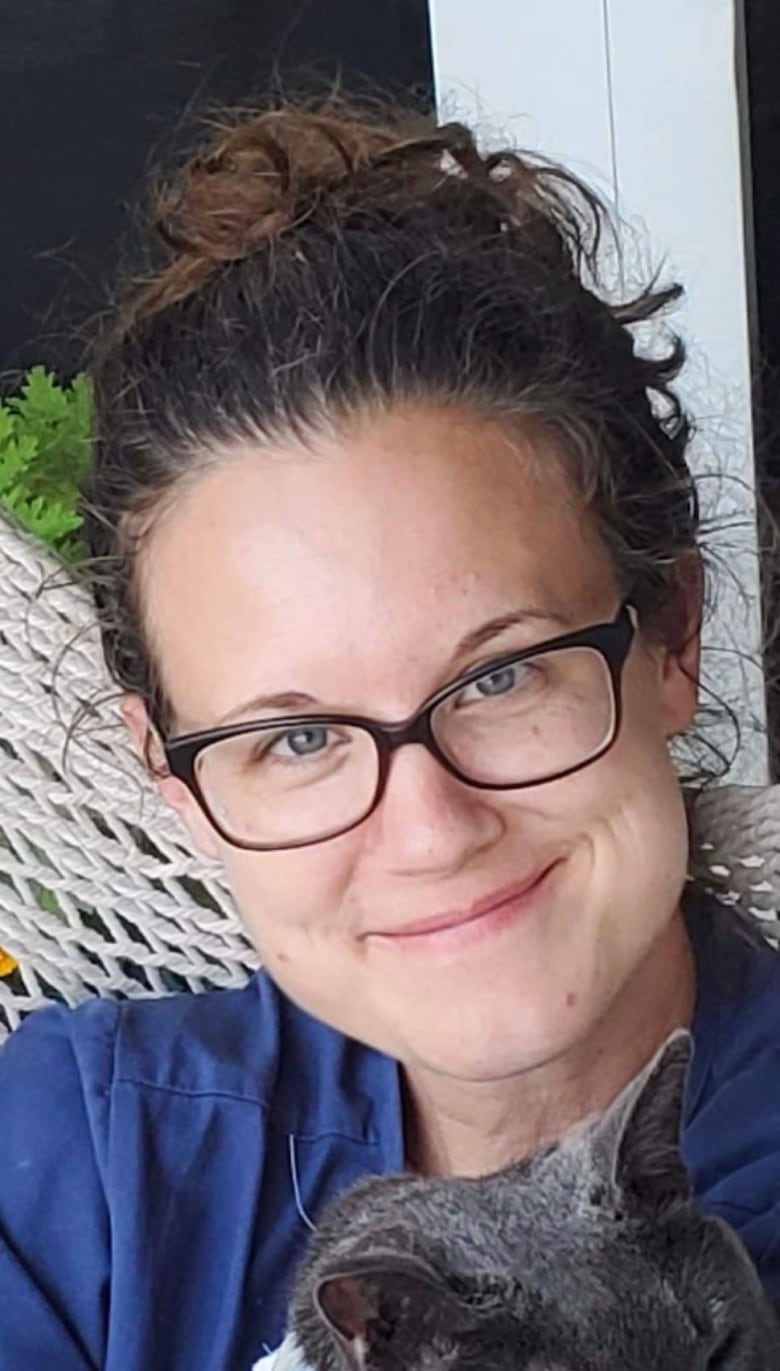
(428, 820)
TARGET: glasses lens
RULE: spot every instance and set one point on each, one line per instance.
(529, 720)
(279, 786)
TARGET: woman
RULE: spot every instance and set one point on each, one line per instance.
(400, 578)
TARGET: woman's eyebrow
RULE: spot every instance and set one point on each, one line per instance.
(279, 702)
(478, 636)
(282, 701)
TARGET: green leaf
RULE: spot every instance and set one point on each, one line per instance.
(45, 450)
(15, 459)
(53, 523)
(7, 426)
(40, 399)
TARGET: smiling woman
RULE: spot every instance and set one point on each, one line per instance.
(398, 569)
(353, 621)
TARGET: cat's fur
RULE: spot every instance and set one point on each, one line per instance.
(590, 1257)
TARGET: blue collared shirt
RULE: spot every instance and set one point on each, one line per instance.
(162, 1161)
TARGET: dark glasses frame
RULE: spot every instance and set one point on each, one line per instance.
(612, 640)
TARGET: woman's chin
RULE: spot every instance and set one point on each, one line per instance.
(481, 1043)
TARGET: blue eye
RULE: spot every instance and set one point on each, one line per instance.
(303, 742)
(497, 682)
(291, 747)
(515, 683)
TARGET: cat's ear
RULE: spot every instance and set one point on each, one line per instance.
(364, 1300)
(636, 1144)
(347, 1304)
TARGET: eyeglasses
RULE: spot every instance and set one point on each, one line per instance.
(519, 720)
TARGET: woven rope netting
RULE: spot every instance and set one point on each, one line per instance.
(100, 893)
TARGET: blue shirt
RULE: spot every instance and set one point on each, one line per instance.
(161, 1161)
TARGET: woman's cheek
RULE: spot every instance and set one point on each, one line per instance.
(287, 898)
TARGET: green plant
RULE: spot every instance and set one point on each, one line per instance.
(45, 446)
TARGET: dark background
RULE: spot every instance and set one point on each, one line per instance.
(94, 93)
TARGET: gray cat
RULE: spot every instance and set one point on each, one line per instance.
(589, 1257)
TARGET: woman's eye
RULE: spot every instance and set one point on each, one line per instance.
(503, 681)
(497, 682)
(301, 742)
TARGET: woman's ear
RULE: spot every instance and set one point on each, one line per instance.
(173, 791)
(679, 628)
(680, 685)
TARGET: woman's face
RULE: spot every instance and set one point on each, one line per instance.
(349, 573)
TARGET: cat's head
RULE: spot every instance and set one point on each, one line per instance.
(590, 1257)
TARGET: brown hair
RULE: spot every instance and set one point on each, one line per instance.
(320, 260)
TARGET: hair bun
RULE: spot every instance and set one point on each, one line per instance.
(262, 175)
(257, 178)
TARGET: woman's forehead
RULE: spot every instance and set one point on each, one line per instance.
(380, 548)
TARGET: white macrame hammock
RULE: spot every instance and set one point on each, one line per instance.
(100, 891)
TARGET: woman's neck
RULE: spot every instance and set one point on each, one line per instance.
(474, 1128)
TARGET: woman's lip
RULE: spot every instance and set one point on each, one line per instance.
(457, 918)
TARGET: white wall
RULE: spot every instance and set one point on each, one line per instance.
(639, 97)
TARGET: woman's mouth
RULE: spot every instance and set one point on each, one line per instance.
(454, 929)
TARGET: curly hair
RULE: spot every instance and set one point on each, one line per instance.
(319, 261)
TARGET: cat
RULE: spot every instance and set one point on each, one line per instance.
(590, 1256)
